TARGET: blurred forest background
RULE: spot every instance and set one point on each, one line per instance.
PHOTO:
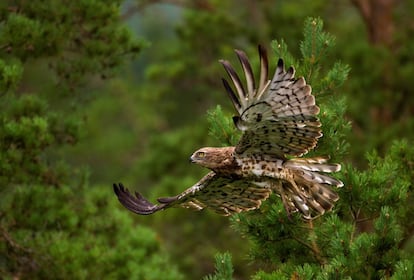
(97, 92)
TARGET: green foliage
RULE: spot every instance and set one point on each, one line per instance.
(387, 181)
(86, 237)
(53, 224)
(222, 128)
(316, 42)
(76, 42)
(78, 39)
(28, 129)
(10, 75)
(224, 268)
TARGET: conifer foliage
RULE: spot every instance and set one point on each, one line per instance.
(364, 236)
(53, 226)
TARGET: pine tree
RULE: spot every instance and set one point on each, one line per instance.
(53, 223)
(364, 236)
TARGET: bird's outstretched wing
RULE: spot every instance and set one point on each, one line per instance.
(279, 116)
(225, 196)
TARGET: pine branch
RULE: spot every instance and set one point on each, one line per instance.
(221, 127)
(224, 268)
(314, 245)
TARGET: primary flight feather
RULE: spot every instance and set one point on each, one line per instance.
(278, 118)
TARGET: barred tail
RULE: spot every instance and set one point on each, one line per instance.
(311, 191)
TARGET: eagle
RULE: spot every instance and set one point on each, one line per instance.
(279, 124)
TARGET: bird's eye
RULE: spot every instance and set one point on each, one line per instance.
(201, 154)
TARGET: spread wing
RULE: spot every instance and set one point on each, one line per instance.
(279, 116)
(225, 196)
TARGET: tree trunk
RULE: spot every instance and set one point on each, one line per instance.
(377, 15)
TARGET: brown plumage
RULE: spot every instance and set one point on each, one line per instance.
(278, 118)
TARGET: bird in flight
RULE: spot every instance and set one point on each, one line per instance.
(279, 124)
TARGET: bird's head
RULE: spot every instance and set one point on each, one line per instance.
(213, 158)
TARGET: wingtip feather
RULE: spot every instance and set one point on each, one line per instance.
(137, 204)
(264, 70)
(233, 97)
(248, 72)
(280, 64)
(235, 79)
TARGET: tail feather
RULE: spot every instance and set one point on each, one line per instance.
(314, 199)
(310, 192)
(313, 164)
(321, 178)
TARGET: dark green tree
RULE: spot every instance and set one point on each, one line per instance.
(53, 223)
